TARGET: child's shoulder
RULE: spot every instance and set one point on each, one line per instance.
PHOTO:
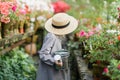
(50, 35)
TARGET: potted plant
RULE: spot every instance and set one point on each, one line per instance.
(8, 17)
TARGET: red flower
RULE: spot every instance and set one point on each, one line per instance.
(105, 70)
(119, 37)
(118, 66)
(60, 6)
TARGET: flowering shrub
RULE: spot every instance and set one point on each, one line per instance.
(12, 11)
(86, 32)
(103, 46)
(114, 11)
(60, 6)
(8, 11)
(23, 12)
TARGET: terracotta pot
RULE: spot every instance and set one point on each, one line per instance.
(31, 48)
(21, 27)
(21, 30)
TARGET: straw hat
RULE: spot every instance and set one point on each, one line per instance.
(61, 23)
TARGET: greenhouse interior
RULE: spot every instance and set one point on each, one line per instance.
(91, 51)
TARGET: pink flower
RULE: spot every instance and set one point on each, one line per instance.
(5, 8)
(90, 33)
(5, 19)
(82, 33)
(5, 11)
(118, 8)
(105, 70)
(23, 11)
(14, 7)
(27, 9)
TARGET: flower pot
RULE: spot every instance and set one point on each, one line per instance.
(5, 29)
(11, 29)
(31, 48)
(15, 30)
(21, 30)
(27, 26)
(21, 27)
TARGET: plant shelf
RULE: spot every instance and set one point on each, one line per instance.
(9, 43)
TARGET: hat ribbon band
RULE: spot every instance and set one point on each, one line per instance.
(59, 27)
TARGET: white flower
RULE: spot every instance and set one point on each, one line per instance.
(33, 19)
(111, 31)
(41, 18)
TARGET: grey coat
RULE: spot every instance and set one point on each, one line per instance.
(46, 69)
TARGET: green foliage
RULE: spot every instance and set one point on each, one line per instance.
(73, 45)
(114, 71)
(102, 46)
(17, 65)
(113, 12)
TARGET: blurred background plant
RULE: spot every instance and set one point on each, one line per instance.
(8, 11)
(102, 46)
(113, 69)
(98, 31)
(17, 65)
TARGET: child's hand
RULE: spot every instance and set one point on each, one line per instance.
(59, 63)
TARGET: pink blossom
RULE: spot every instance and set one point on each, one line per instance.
(5, 11)
(23, 11)
(27, 9)
(105, 70)
(5, 8)
(90, 33)
(87, 35)
(14, 7)
(82, 33)
(5, 19)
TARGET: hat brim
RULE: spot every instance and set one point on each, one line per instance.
(68, 29)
